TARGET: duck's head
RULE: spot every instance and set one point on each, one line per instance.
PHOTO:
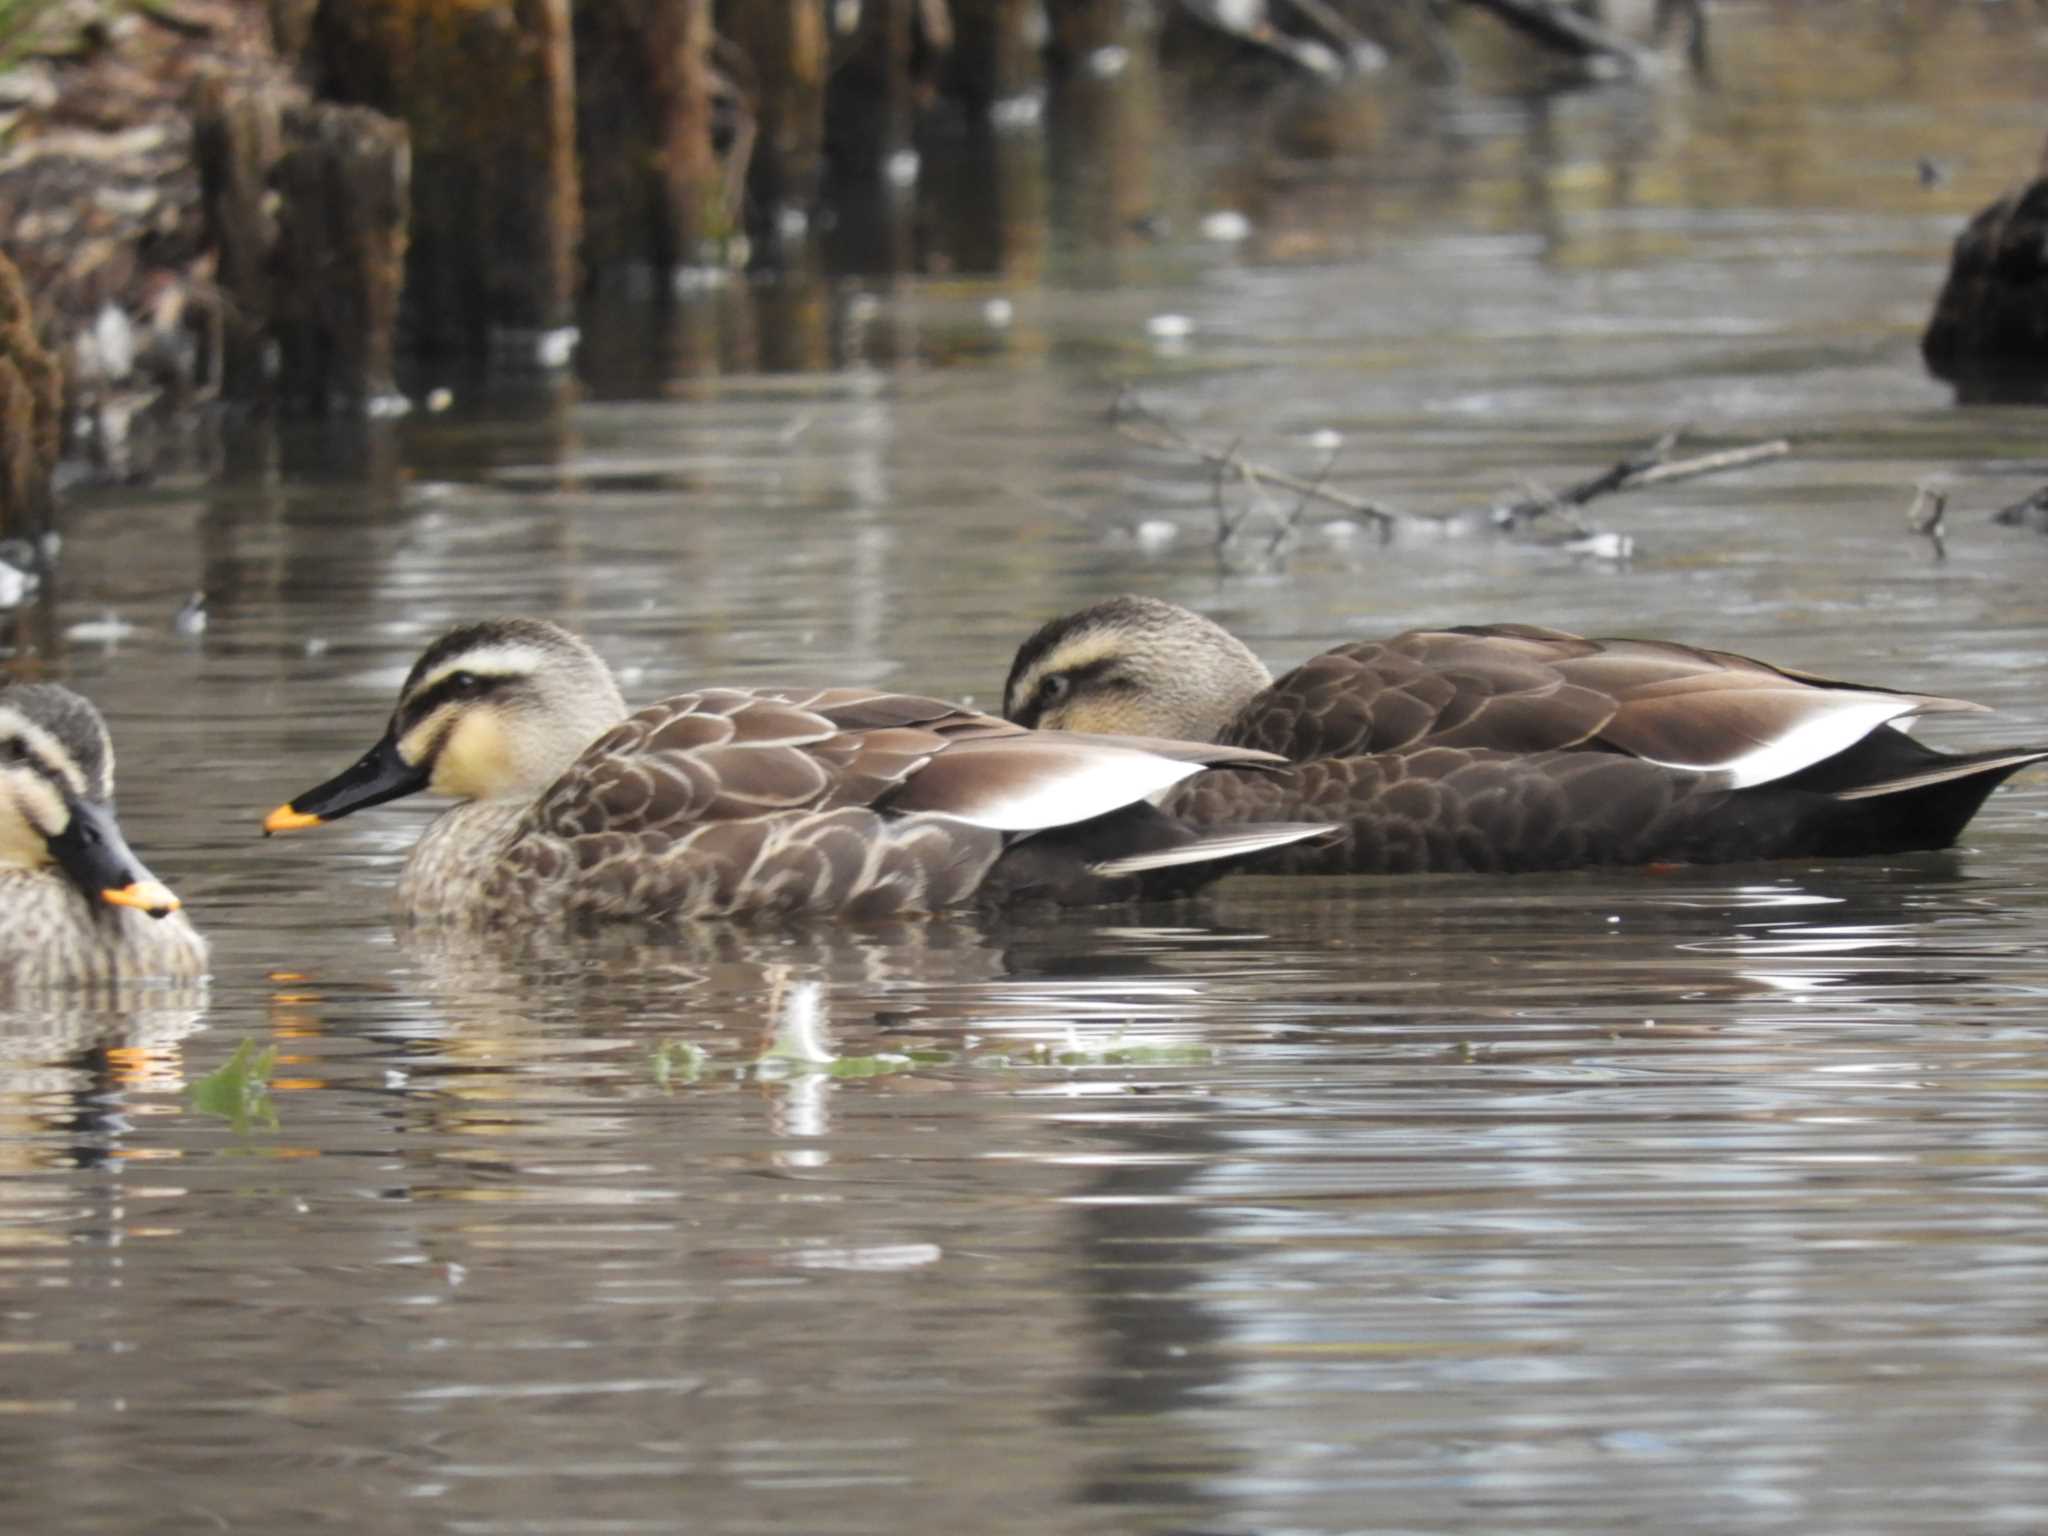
(57, 799)
(490, 711)
(1133, 666)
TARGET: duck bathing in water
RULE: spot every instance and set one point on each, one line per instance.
(1508, 747)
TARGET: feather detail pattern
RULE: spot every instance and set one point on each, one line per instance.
(1512, 747)
(729, 801)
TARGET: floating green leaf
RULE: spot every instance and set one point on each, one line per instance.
(678, 1061)
(239, 1091)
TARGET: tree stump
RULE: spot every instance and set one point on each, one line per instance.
(996, 51)
(487, 90)
(31, 413)
(237, 140)
(652, 193)
(339, 267)
(789, 48)
(1989, 332)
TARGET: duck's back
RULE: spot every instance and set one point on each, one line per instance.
(1520, 689)
(847, 801)
(1506, 747)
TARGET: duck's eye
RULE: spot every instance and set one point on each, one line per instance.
(14, 750)
(465, 685)
(1056, 686)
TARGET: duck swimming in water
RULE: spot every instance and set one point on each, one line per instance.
(79, 907)
(1508, 747)
(729, 801)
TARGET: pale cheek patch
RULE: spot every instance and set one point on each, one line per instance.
(30, 814)
(475, 761)
(417, 744)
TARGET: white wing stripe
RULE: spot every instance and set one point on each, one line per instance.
(1074, 787)
(1847, 719)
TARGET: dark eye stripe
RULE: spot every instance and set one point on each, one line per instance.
(19, 754)
(1102, 674)
(447, 690)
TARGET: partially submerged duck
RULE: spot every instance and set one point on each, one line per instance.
(77, 907)
(1508, 747)
(727, 801)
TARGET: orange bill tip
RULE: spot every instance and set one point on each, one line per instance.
(285, 819)
(145, 896)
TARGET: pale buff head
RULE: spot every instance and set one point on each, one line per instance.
(1133, 666)
(500, 709)
(54, 753)
(57, 799)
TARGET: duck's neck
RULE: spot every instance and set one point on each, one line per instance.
(1203, 701)
(446, 874)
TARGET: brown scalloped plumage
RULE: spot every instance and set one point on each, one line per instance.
(1510, 747)
(726, 801)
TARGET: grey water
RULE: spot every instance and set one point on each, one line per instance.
(1708, 1200)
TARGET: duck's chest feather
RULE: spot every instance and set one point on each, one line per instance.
(53, 936)
(454, 862)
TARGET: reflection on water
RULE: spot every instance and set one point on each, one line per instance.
(1696, 1201)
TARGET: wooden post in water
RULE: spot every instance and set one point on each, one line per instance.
(689, 168)
(870, 111)
(343, 189)
(487, 88)
(237, 140)
(651, 190)
(996, 51)
(1080, 27)
(787, 45)
(31, 413)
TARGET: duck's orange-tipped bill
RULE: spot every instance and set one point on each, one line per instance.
(285, 819)
(380, 774)
(148, 896)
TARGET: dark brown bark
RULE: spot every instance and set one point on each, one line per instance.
(339, 267)
(787, 46)
(488, 93)
(652, 189)
(237, 139)
(31, 406)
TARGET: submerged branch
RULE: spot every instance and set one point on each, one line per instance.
(1560, 27)
(1654, 465)
(1925, 516)
(1138, 422)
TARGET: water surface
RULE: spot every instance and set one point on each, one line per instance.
(1700, 1201)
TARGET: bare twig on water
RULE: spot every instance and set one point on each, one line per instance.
(1138, 422)
(1361, 50)
(1286, 531)
(1654, 466)
(1569, 31)
(1924, 518)
(2027, 512)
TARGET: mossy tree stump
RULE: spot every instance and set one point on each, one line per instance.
(31, 413)
(487, 90)
(996, 51)
(788, 46)
(652, 191)
(1989, 332)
